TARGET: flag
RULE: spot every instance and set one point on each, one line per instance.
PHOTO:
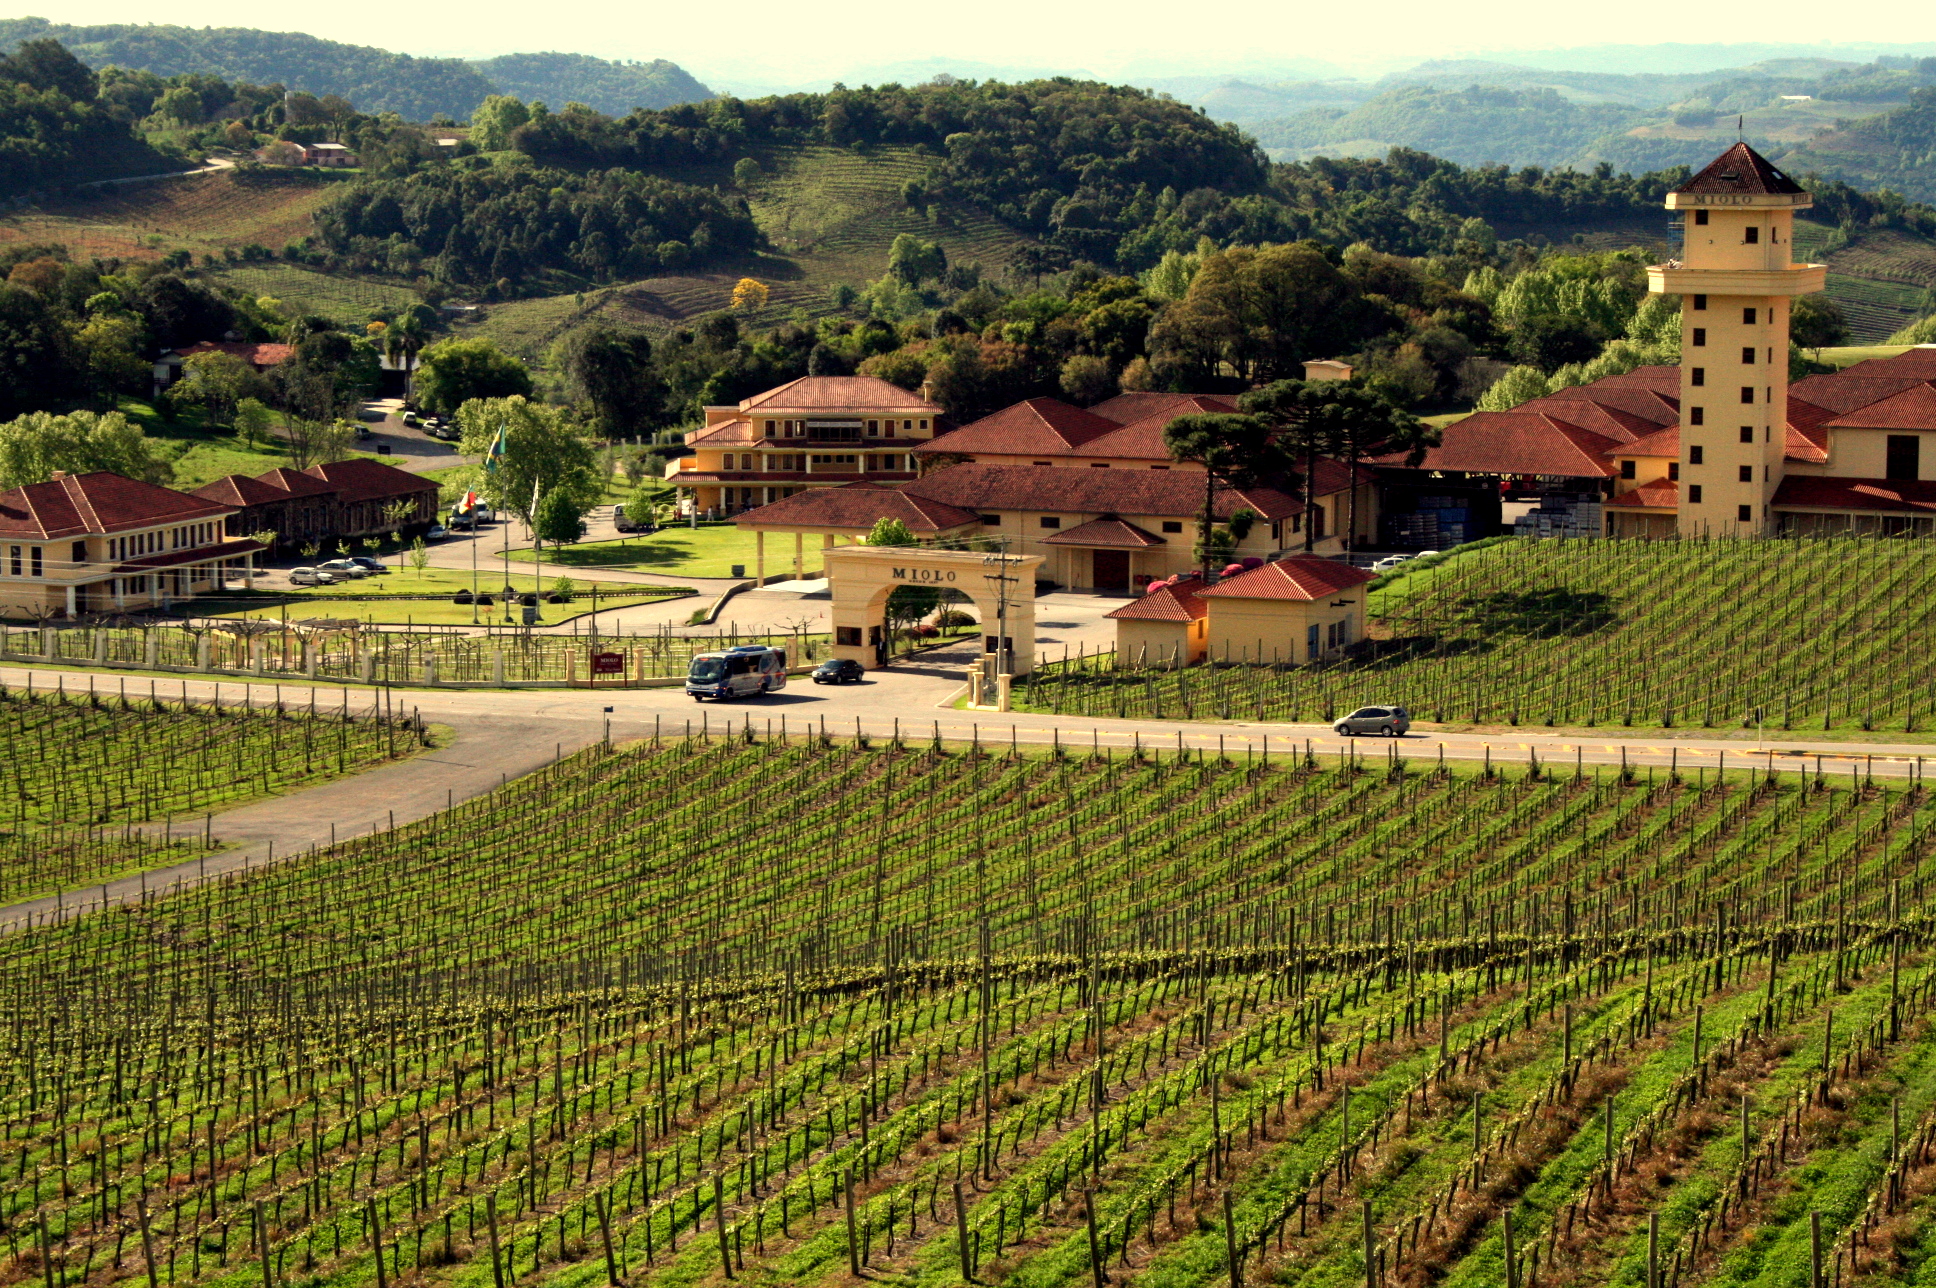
(468, 504)
(495, 452)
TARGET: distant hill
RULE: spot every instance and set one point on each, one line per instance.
(375, 80)
(1474, 126)
(615, 88)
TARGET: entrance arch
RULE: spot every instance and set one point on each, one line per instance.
(1001, 587)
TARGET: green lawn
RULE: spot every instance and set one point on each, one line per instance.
(682, 552)
(326, 601)
(201, 454)
(1849, 355)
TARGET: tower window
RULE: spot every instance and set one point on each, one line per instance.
(1747, 473)
(1744, 513)
(1694, 494)
(1700, 336)
(1694, 455)
(1748, 317)
(1696, 415)
(1753, 235)
(1747, 433)
(1627, 469)
(1700, 301)
(1673, 471)
(1697, 376)
(1747, 393)
(1700, 218)
(1747, 355)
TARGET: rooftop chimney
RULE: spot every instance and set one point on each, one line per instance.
(59, 474)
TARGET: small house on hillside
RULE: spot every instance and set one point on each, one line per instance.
(1294, 610)
(260, 355)
(1169, 625)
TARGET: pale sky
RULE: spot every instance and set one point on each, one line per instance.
(738, 43)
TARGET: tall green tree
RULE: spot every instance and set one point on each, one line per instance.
(1366, 424)
(453, 372)
(612, 372)
(545, 455)
(33, 446)
(1302, 423)
(1235, 451)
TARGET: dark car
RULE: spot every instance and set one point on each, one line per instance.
(838, 670)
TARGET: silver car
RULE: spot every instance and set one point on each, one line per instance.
(1393, 722)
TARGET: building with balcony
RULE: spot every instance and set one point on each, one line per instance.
(101, 543)
(815, 432)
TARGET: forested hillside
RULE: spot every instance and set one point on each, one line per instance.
(55, 125)
(1895, 149)
(376, 80)
(604, 86)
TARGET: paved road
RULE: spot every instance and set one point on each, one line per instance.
(503, 734)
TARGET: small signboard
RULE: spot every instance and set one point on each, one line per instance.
(608, 664)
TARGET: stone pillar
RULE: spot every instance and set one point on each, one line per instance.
(366, 669)
(100, 642)
(430, 670)
(497, 667)
(150, 650)
(201, 652)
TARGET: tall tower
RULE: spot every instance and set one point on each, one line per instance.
(1735, 280)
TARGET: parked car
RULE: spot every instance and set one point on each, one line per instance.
(411, 419)
(345, 569)
(1394, 722)
(310, 577)
(1389, 562)
(436, 532)
(839, 670)
(621, 522)
(369, 565)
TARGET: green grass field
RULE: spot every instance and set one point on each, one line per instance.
(951, 1017)
(1786, 635)
(300, 602)
(709, 551)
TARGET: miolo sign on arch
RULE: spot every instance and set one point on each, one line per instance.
(1000, 587)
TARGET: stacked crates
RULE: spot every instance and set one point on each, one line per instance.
(1564, 515)
(1437, 523)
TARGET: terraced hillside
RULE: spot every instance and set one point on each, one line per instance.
(1795, 634)
(959, 1017)
(1883, 279)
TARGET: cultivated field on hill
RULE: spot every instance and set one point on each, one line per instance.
(957, 1016)
(1790, 635)
(83, 766)
(201, 213)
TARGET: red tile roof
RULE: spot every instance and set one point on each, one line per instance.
(1301, 577)
(838, 393)
(1096, 492)
(729, 432)
(1842, 393)
(859, 506)
(1913, 408)
(252, 352)
(1035, 427)
(175, 558)
(1179, 601)
(1109, 532)
(359, 480)
(1515, 442)
(1661, 494)
(81, 504)
(1124, 408)
(1601, 412)
(1741, 169)
(1662, 442)
(239, 490)
(295, 482)
(1828, 492)
(1142, 437)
